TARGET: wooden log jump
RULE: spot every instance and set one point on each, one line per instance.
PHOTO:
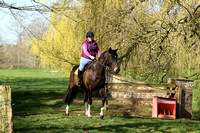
(135, 98)
(5, 110)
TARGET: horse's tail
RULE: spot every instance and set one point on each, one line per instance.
(70, 95)
(65, 98)
(72, 90)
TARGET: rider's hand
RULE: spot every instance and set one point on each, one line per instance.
(92, 57)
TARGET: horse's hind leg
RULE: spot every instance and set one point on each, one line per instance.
(70, 95)
(67, 110)
(103, 96)
(68, 100)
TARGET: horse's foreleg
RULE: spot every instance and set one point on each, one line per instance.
(85, 102)
(89, 105)
(103, 96)
(88, 112)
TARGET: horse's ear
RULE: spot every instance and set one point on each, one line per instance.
(115, 50)
(110, 50)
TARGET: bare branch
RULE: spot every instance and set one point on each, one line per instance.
(25, 8)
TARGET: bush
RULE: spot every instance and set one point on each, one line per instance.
(196, 100)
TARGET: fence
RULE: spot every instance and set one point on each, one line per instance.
(135, 98)
(5, 109)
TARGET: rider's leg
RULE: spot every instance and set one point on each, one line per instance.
(83, 62)
(80, 73)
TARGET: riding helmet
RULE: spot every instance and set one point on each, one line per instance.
(89, 34)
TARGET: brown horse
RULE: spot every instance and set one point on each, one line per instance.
(93, 79)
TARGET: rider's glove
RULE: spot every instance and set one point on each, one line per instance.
(92, 57)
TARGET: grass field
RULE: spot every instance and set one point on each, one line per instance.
(37, 108)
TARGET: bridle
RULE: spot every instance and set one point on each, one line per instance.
(96, 61)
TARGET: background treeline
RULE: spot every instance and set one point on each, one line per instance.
(15, 57)
(156, 39)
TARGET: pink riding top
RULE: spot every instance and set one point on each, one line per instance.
(90, 49)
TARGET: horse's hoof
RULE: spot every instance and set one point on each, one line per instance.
(101, 116)
(66, 114)
(89, 117)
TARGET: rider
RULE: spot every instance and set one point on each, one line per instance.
(89, 51)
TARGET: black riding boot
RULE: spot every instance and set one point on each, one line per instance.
(79, 76)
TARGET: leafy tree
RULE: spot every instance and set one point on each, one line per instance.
(155, 39)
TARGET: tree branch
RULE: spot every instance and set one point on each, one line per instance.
(25, 8)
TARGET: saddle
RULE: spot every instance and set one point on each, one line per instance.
(87, 65)
(76, 71)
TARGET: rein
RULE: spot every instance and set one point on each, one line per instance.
(96, 61)
(103, 68)
(100, 63)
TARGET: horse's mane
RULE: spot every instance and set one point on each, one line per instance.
(102, 55)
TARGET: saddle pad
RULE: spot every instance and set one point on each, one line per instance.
(76, 71)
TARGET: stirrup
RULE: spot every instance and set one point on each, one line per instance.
(79, 82)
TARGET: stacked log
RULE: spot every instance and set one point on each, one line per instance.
(5, 109)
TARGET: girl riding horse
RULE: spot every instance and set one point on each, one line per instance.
(92, 79)
(89, 51)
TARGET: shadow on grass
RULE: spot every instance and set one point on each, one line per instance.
(26, 103)
(37, 95)
(151, 125)
(31, 95)
(116, 124)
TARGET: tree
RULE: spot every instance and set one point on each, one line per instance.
(156, 39)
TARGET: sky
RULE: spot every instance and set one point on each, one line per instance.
(7, 33)
(8, 24)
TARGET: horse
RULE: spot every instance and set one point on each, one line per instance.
(92, 79)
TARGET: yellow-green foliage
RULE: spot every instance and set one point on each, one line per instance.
(152, 37)
(61, 44)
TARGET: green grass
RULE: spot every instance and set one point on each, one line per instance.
(37, 108)
(196, 100)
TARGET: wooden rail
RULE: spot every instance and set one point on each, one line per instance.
(135, 106)
(141, 91)
(143, 85)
